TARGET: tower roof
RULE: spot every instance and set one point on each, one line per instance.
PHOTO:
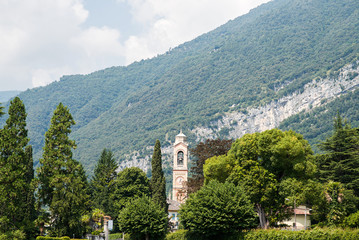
(180, 134)
(180, 138)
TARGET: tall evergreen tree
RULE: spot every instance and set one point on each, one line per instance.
(1, 110)
(102, 183)
(340, 163)
(29, 213)
(15, 180)
(158, 181)
(62, 180)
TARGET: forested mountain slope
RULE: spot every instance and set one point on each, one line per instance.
(267, 54)
(6, 95)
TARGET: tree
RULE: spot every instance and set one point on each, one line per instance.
(218, 168)
(131, 183)
(62, 180)
(217, 210)
(102, 183)
(1, 110)
(158, 181)
(16, 193)
(259, 162)
(261, 187)
(339, 202)
(340, 162)
(203, 151)
(283, 153)
(142, 218)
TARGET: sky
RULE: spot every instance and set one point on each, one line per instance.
(42, 40)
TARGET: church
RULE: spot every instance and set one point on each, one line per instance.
(180, 176)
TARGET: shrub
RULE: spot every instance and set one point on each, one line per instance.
(178, 235)
(217, 210)
(352, 220)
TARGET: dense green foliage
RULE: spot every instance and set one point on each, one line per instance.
(131, 183)
(340, 162)
(216, 210)
(352, 220)
(143, 219)
(62, 180)
(158, 181)
(102, 183)
(268, 53)
(260, 162)
(17, 210)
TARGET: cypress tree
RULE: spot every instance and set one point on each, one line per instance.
(62, 180)
(15, 182)
(102, 183)
(158, 181)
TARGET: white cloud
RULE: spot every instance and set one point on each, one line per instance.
(42, 40)
(171, 22)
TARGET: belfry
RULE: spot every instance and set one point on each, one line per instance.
(180, 167)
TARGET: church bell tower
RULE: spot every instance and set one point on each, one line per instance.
(180, 168)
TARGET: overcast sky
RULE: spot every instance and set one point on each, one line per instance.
(41, 40)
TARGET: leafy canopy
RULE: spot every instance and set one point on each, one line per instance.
(217, 210)
(143, 219)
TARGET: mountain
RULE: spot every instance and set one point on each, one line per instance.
(6, 95)
(211, 86)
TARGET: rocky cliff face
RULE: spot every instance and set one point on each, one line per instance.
(316, 93)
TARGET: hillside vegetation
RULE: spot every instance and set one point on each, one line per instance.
(264, 55)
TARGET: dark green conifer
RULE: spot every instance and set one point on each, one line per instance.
(1, 110)
(340, 163)
(62, 180)
(102, 183)
(15, 180)
(158, 181)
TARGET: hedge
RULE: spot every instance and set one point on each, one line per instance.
(273, 234)
(315, 234)
(52, 238)
(115, 236)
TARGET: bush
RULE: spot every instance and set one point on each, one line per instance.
(97, 232)
(143, 218)
(178, 235)
(217, 210)
(352, 220)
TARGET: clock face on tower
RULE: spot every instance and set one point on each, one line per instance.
(179, 180)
